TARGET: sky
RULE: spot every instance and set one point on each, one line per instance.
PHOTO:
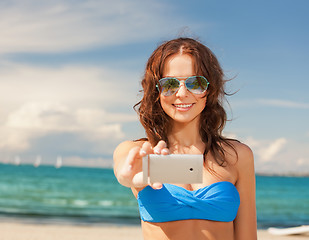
(70, 74)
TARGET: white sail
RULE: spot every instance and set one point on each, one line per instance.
(37, 161)
(17, 161)
(58, 162)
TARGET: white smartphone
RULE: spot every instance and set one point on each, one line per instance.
(173, 168)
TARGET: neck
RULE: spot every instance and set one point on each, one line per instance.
(185, 137)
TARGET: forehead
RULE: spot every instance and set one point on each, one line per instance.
(180, 65)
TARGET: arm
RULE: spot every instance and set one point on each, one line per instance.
(128, 162)
(245, 226)
(126, 156)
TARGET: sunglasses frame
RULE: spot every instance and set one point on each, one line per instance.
(184, 81)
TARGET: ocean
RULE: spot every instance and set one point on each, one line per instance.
(93, 196)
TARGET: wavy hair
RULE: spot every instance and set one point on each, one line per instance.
(157, 123)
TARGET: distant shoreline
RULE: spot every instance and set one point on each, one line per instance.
(109, 166)
(292, 174)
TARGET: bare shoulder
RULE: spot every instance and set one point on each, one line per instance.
(245, 155)
(239, 152)
(240, 156)
(244, 163)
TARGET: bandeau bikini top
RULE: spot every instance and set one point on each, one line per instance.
(217, 202)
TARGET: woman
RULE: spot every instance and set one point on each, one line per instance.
(182, 113)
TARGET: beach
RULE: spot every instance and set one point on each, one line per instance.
(31, 231)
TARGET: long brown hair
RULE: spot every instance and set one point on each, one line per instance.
(213, 117)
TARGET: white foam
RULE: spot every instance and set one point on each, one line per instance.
(106, 203)
(79, 202)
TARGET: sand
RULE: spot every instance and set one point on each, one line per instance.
(26, 231)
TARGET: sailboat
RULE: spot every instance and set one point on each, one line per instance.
(37, 161)
(58, 162)
(17, 161)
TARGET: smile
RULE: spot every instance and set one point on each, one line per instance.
(183, 105)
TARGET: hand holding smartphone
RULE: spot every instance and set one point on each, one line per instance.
(173, 168)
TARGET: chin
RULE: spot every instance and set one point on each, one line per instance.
(188, 119)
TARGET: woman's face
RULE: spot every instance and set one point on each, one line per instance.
(183, 106)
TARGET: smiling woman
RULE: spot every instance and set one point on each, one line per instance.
(182, 113)
(184, 58)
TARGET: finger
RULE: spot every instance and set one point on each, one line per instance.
(146, 149)
(158, 148)
(138, 181)
(165, 151)
(156, 185)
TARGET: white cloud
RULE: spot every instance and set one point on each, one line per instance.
(14, 140)
(283, 103)
(279, 156)
(268, 152)
(57, 117)
(254, 143)
(60, 25)
(72, 100)
(76, 85)
(35, 120)
(302, 161)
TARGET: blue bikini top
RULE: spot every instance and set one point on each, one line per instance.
(217, 202)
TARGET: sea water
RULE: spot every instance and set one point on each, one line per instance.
(282, 201)
(93, 196)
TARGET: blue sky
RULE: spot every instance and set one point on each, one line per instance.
(70, 73)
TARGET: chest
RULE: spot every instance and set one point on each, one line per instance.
(212, 173)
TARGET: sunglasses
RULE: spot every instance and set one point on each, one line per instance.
(170, 85)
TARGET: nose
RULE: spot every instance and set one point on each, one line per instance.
(182, 91)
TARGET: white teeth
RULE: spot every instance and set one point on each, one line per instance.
(183, 105)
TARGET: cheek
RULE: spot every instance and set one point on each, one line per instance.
(205, 101)
(166, 104)
(202, 101)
